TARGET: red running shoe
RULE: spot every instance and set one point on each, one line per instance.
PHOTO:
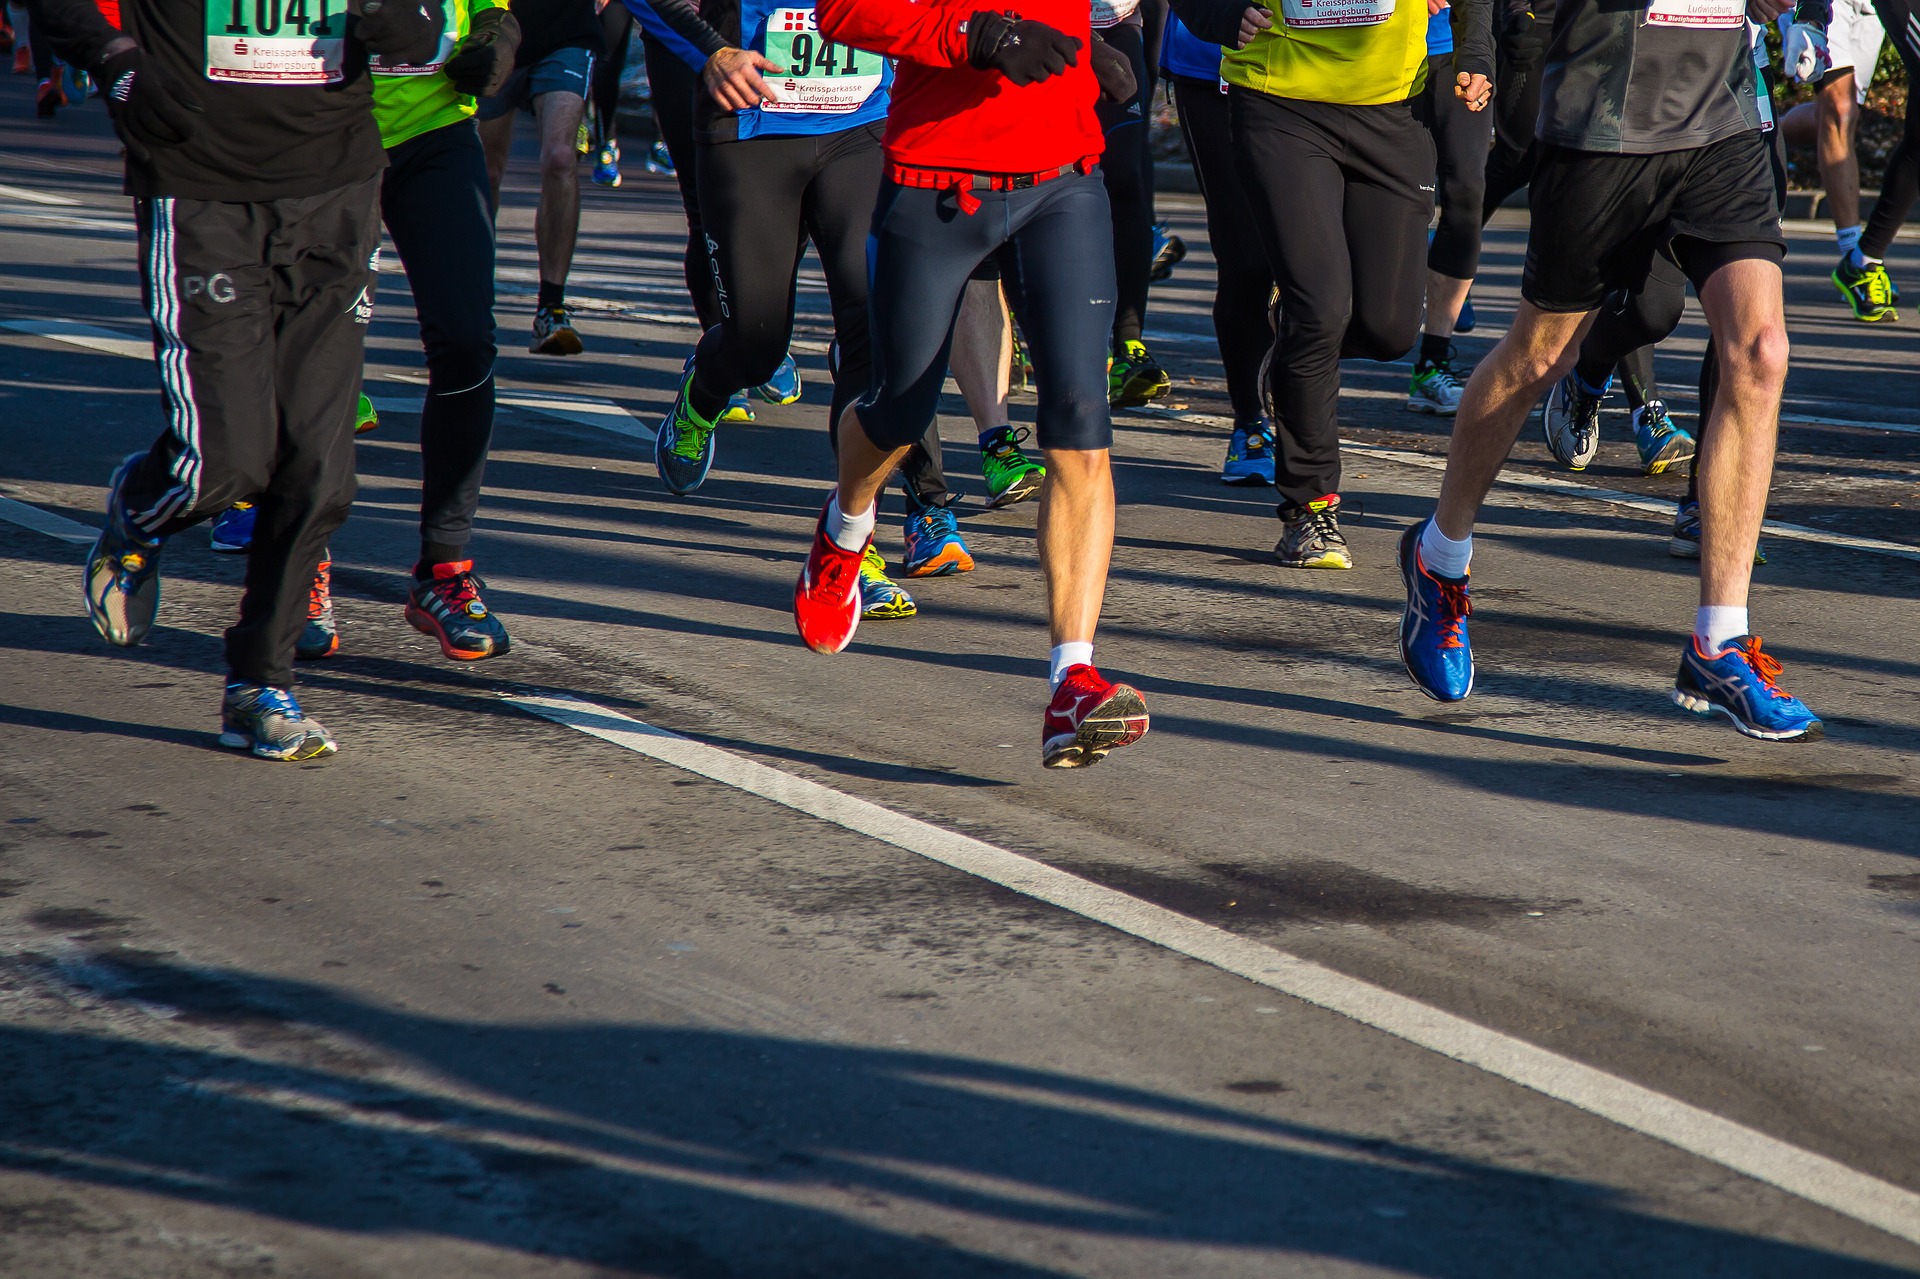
(826, 599)
(1089, 717)
(449, 607)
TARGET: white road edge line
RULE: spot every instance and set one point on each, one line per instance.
(1562, 487)
(37, 197)
(32, 517)
(1745, 1150)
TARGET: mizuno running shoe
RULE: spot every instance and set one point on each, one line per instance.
(1310, 535)
(1570, 420)
(1134, 377)
(826, 599)
(123, 571)
(880, 596)
(1249, 454)
(1011, 475)
(934, 545)
(232, 531)
(269, 722)
(1089, 717)
(683, 446)
(449, 607)
(1662, 444)
(1433, 629)
(319, 637)
(1868, 290)
(784, 386)
(1742, 683)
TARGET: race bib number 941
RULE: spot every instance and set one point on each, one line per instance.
(276, 41)
(821, 76)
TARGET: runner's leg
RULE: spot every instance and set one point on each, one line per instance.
(672, 83)
(1127, 169)
(556, 226)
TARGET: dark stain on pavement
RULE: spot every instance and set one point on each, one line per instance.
(1904, 885)
(1257, 1087)
(73, 919)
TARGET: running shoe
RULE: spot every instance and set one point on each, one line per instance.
(1685, 542)
(319, 637)
(606, 173)
(1310, 535)
(739, 408)
(22, 60)
(1089, 717)
(1662, 445)
(1011, 475)
(1570, 420)
(1433, 629)
(449, 607)
(1742, 683)
(268, 722)
(683, 446)
(364, 418)
(880, 596)
(1868, 290)
(50, 99)
(659, 159)
(553, 332)
(1435, 388)
(1249, 454)
(934, 546)
(784, 386)
(583, 138)
(232, 531)
(827, 598)
(1467, 322)
(1168, 250)
(1134, 378)
(123, 572)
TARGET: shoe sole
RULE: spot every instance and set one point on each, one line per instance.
(890, 613)
(319, 655)
(309, 748)
(1332, 559)
(1131, 397)
(564, 343)
(1703, 706)
(1120, 720)
(1575, 464)
(230, 548)
(775, 397)
(1661, 465)
(1432, 409)
(423, 621)
(948, 562)
(1018, 491)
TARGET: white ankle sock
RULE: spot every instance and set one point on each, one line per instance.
(1848, 238)
(1715, 624)
(1071, 653)
(849, 532)
(1443, 556)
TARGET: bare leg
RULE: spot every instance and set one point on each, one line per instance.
(982, 357)
(1537, 352)
(1076, 539)
(557, 224)
(1445, 297)
(1836, 118)
(496, 139)
(1746, 314)
(864, 465)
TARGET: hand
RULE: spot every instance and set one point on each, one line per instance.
(732, 79)
(1804, 54)
(147, 112)
(484, 60)
(1765, 11)
(1522, 36)
(1437, 7)
(1475, 90)
(1252, 23)
(404, 32)
(1114, 72)
(1024, 51)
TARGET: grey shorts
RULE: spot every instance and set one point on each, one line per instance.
(562, 71)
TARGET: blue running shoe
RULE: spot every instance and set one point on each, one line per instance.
(1740, 682)
(784, 386)
(683, 446)
(659, 159)
(269, 722)
(739, 408)
(1466, 322)
(232, 531)
(1249, 454)
(934, 546)
(123, 572)
(1433, 630)
(606, 170)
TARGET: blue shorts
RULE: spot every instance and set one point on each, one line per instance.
(1054, 244)
(562, 71)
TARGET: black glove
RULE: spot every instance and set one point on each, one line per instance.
(147, 112)
(1114, 70)
(1521, 37)
(484, 60)
(403, 32)
(1024, 52)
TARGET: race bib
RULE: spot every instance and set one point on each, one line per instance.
(1697, 13)
(1111, 13)
(822, 77)
(1336, 13)
(379, 65)
(276, 41)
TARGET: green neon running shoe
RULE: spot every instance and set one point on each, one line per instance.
(1869, 291)
(683, 446)
(1135, 377)
(364, 418)
(1011, 475)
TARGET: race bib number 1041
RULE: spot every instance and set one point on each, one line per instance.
(271, 42)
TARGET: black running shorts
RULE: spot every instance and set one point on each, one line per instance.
(1599, 218)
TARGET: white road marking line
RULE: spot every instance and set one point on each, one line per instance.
(1800, 419)
(604, 414)
(46, 522)
(1745, 1150)
(36, 197)
(72, 332)
(1563, 487)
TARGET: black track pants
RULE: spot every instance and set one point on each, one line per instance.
(616, 34)
(673, 84)
(1127, 167)
(433, 198)
(1462, 139)
(1336, 193)
(1243, 282)
(259, 316)
(1900, 187)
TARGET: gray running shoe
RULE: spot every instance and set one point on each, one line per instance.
(1570, 419)
(269, 723)
(123, 572)
(1310, 535)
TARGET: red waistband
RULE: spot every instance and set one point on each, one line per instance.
(963, 184)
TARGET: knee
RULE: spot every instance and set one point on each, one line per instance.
(558, 166)
(1380, 337)
(460, 366)
(1759, 358)
(1313, 332)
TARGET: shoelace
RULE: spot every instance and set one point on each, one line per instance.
(834, 568)
(1456, 606)
(936, 522)
(1007, 446)
(456, 592)
(1326, 525)
(1765, 665)
(1879, 285)
(690, 439)
(320, 593)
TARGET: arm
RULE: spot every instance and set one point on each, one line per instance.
(683, 16)
(1473, 37)
(932, 34)
(78, 33)
(1215, 21)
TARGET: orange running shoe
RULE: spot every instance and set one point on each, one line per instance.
(320, 637)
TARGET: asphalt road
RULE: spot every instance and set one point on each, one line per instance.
(485, 995)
